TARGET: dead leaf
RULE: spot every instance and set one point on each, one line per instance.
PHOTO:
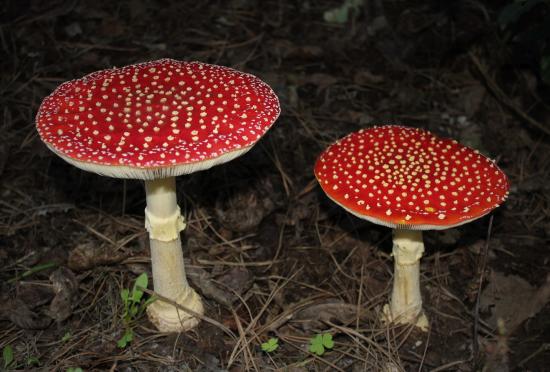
(65, 285)
(243, 211)
(88, 256)
(317, 315)
(73, 29)
(202, 280)
(34, 295)
(512, 299)
(366, 77)
(472, 98)
(237, 279)
(19, 314)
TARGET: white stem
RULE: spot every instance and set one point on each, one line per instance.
(164, 223)
(166, 256)
(406, 300)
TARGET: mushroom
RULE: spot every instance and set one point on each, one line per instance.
(154, 121)
(410, 180)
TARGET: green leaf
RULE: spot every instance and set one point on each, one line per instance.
(137, 290)
(341, 14)
(125, 294)
(136, 296)
(141, 282)
(271, 345)
(7, 355)
(74, 369)
(33, 270)
(66, 337)
(121, 343)
(327, 341)
(126, 338)
(317, 349)
(149, 301)
(33, 361)
(316, 345)
(337, 15)
(320, 342)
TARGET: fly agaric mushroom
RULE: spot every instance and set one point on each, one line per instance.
(410, 180)
(154, 121)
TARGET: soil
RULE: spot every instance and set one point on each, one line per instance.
(296, 265)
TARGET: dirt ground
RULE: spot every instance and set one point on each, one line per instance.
(296, 264)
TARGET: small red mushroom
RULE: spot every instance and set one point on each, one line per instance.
(410, 180)
(154, 121)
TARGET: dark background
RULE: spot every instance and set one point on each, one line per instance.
(477, 71)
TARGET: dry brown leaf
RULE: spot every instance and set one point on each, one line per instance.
(237, 280)
(65, 285)
(243, 211)
(88, 256)
(34, 294)
(366, 77)
(472, 97)
(512, 299)
(317, 315)
(19, 313)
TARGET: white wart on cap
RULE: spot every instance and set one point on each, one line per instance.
(156, 119)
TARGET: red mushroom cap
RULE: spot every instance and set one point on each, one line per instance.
(156, 119)
(408, 178)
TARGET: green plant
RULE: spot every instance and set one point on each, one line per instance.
(33, 361)
(74, 369)
(134, 306)
(33, 270)
(320, 342)
(341, 13)
(7, 356)
(271, 345)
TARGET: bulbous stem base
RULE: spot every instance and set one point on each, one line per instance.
(168, 318)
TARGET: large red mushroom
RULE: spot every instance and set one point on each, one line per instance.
(410, 180)
(154, 121)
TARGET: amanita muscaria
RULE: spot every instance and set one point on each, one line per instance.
(410, 180)
(154, 121)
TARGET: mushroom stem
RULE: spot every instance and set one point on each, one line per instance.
(164, 222)
(406, 301)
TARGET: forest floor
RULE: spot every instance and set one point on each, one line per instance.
(296, 264)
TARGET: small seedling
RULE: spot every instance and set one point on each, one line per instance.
(7, 356)
(134, 306)
(33, 361)
(271, 345)
(342, 13)
(74, 369)
(66, 337)
(320, 342)
(126, 338)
